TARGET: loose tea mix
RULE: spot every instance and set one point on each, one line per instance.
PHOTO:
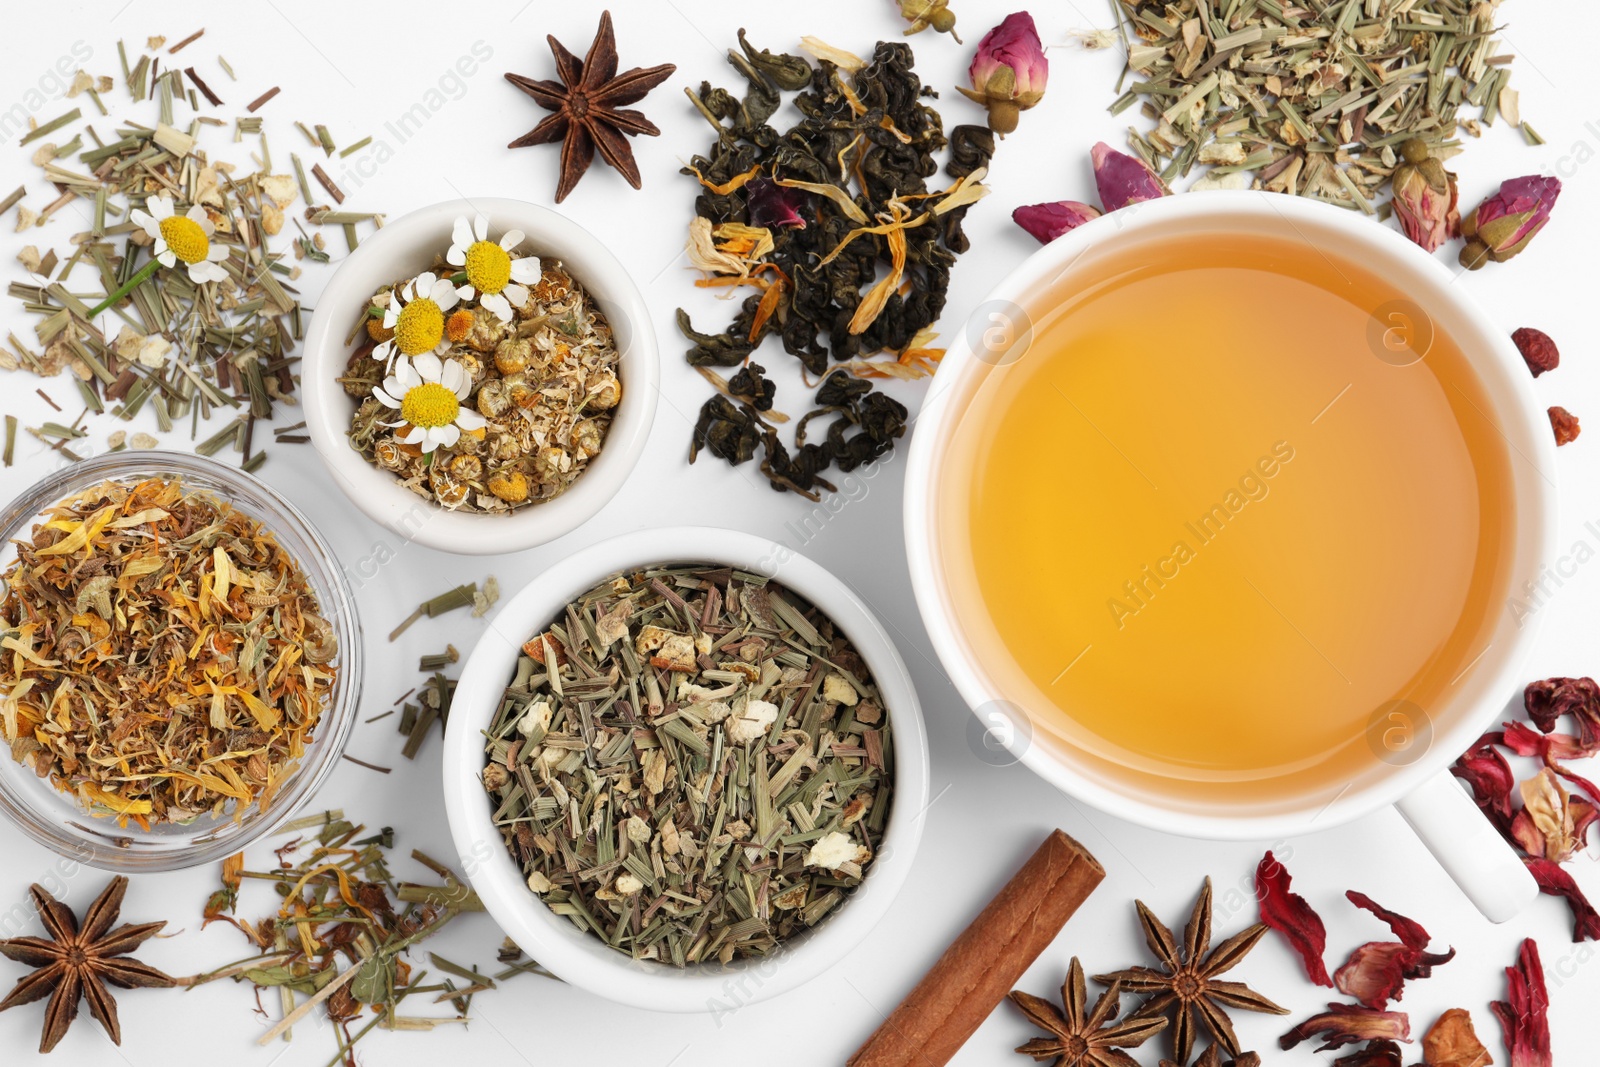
(691, 763)
(486, 383)
(833, 226)
(168, 658)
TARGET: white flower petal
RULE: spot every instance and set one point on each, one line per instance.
(416, 437)
(383, 351)
(466, 292)
(393, 386)
(428, 366)
(167, 257)
(217, 253)
(480, 227)
(454, 377)
(424, 282)
(443, 293)
(456, 257)
(160, 207)
(207, 271)
(512, 239)
(383, 397)
(461, 233)
(446, 435)
(526, 270)
(468, 419)
(497, 304)
(391, 315)
(517, 294)
(407, 374)
(145, 221)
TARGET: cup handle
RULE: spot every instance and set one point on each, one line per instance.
(1468, 847)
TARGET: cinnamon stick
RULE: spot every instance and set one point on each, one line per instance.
(984, 962)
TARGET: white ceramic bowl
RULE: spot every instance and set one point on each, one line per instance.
(404, 248)
(1419, 784)
(581, 958)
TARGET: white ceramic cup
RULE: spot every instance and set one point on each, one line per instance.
(583, 959)
(403, 249)
(1422, 787)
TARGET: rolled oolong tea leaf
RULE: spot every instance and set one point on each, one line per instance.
(834, 228)
(167, 656)
(692, 764)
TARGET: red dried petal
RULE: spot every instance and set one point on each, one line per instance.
(1290, 915)
(1524, 1014)
(1538, 351)
(1376, 1054)
(1546, 701)
(1409, 931)
(1489, 776)
(1524, 740)
(1556, 882)
(1345, 1024)
(1376, 972)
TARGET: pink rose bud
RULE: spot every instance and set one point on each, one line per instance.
(1009, 72)
(1502, 225)
(1123, 179)
(1425, 197)
(1046, 222)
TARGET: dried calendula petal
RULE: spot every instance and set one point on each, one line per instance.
(170, 691)
(1452, 1042)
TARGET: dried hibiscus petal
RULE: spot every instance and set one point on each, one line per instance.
(1376, 972)
(1290, 915)
(1556, 882)
(1552, 823)
(1546, 701)
(1524, 1014)
(1345, 1024)
(1452, 1042)
(1489, 776)
(1376, 1054)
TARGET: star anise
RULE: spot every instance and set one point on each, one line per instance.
(1212, 1057)
(588, 104)
(77, 961)
(1092, 1039)
(1187, 985)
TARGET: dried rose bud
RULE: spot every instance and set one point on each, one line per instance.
(1565, 424)
(1502, 225)
(1046, 222)
(773, 205)
(1123, 179)
(1009, 72)
(1538, 351)
(924, 13)
(1425, 197)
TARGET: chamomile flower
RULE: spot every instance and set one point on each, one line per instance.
(428, 392)
(497, 280)
(186, 237)
(416, 314)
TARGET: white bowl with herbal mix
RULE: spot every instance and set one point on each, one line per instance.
(182, 660)
(682, 755)
(480, 376)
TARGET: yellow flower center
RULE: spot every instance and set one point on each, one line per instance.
(185, 237)
(429, 405)
(419, 327)
(488, 267)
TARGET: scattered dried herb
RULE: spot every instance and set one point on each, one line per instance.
(692, 764)
(1082, 1037)
(1187, 984)
(169, 659)
(485, 384)
(1308, 99)
(1377, 971)
(76, 961)
(1524, 1014)
(832, 225)
(1346, 1024)
(1565, 425)
(341, 935)
(1378, 1053)
(1538, 350)
(925, 13)
(1452, 1042)
(462, 596)
(590, 108)
(1212, 1057)
(1290, 915)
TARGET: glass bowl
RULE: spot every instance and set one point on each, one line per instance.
(56, 819)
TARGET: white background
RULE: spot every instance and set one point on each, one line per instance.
(356, 67)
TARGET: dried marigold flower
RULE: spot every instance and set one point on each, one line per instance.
(1538, 351)
(378, 331)
(510, 486)
(1452, 1042)
(1565, 425)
